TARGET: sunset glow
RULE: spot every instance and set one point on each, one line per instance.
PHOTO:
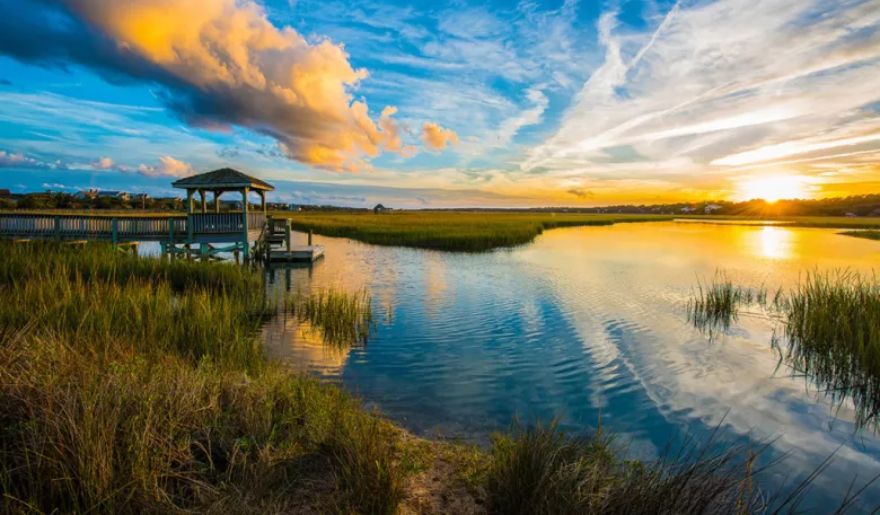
(512, 104)
(773, 188)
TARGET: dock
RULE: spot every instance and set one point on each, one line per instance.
(198, 234)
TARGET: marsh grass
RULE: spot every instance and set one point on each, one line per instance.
(866, 234)
(453, 231)
(828, 329)
(541, 470)
(132, 385)
(716, 305)
(832, 334)
(344, 319)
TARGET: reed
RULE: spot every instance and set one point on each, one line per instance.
(832, 334)
(830, 330)
(717, 305)
(129, 386)
(343, 318)
(541, 470)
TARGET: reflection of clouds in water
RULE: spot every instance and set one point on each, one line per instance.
(731, 379)
(298, 345)
(589, 323)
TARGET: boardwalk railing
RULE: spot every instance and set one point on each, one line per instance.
(125, 229)
(91, 227)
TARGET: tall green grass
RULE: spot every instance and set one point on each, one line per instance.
(832, 334)
(716, 305)
(343, 318)
(539, 470)
(829, 330)
(139, 385)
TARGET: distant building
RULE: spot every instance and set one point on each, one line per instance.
(687, 209)
(851, 215)
(711, 208)
(90, 194)
(121, 195)
(5, 193)
(381, 209)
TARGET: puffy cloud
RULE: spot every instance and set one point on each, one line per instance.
(437, 137)
(20, 160)
(167, 167)
(103, 163)
(221, 63)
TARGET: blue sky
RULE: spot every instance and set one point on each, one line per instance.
(435, 104)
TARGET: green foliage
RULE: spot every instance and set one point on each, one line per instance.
(138, 385)
(344, 319)
(832, 334)
(540, 470)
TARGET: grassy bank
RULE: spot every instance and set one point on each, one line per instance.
(867, 234)
(138, 385)
(456, 231)
(133, 385)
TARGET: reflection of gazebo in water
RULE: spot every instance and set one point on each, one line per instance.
(236, 229)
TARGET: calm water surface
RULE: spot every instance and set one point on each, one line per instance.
(587, 324)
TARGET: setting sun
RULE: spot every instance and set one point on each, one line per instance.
(773, 188)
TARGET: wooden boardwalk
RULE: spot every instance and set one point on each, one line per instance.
(195, 235)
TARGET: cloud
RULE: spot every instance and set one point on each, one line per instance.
(20, 160)
(103, 163)
(436, 137)
(219, 63)
(694, 95)
(580, 192)
(167, 167)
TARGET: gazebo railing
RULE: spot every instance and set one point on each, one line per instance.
(216, 223)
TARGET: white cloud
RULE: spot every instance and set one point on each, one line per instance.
(725, 83)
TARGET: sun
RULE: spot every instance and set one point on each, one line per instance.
(772, 188)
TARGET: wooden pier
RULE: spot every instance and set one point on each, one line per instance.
(197, 234)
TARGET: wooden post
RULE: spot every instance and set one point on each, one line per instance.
(58, 228)
(310, 237)
(114, 225)
(287, 234)
(204, 203)
(217, 201)
(244, 211)
(263, 200)
(189, 201)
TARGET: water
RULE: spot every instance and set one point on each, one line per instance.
(589, 324)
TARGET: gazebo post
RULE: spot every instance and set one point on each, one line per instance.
(204, 203)
(244, 210)
(189, 201)
(217, 194)
(263, 200)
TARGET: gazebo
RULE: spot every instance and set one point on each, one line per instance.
(211, 231)
(219, 182)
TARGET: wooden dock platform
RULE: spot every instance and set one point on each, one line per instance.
(306, 254)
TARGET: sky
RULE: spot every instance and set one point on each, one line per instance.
(445, 103)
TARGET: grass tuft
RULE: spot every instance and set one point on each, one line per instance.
(343, 318)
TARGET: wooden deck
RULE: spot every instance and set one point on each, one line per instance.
(198, 235)
(212, 233)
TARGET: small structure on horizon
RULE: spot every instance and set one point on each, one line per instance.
(381, 209)
(687, 209)
(711, 208)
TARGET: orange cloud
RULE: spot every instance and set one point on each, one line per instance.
(224, 63)
(168, 167)
(437, 137)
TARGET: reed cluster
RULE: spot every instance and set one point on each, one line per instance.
(343, 318)
(829, 330)
(832, 334)
(139, 385)
(716, 305)
(540, 470)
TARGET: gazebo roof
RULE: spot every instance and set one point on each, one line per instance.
(222, 179)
